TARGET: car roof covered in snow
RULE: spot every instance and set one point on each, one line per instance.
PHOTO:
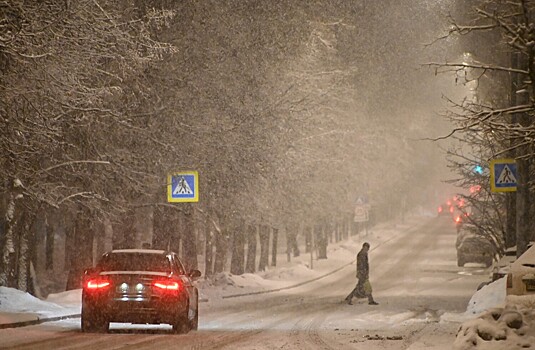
(139, 251)
(526, 261)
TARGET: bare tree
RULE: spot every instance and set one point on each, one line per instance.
(504, 122)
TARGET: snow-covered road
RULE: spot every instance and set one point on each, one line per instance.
(421, 292)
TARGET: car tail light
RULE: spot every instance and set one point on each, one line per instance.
(509, 280)
(440, 209)
(458, 219)
(97, 284)
(167, 285)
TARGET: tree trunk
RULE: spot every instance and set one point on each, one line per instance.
(289, 238)
(82, 257)
(522, 206)
(70, 229)
(308, 239)
(251, 249)
(7, 244)
(23, 265)
(523, 219)
(237, 264)
(264, 247)
(49, 245)
(321, 240)
(107, 243)
(33, 286)
(125, 232)
(274, 247)
(221, 242)
(189, 240)
(165, 233)
(209, 250)
(347, 226)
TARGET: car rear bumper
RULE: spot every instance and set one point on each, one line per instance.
(129, 310)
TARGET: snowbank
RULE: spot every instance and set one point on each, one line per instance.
(502, 322)
(490, 296)
(16, 301)
(497, 329)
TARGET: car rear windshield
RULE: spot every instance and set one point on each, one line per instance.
(134, 262)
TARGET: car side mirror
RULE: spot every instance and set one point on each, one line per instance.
(195, 274)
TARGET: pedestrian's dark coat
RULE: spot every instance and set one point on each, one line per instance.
(363, 269)
(363, 288)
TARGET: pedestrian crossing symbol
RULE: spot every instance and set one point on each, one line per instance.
(503, 175)
(183, 187)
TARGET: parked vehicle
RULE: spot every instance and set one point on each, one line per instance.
(501, 267)
(473, 248)
(521, 277)
(140, 286)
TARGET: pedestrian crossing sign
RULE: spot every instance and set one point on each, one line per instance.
(503, 175)
(183, 186)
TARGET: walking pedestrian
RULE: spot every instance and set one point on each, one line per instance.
(363, 289)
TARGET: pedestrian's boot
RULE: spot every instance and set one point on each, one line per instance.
(371, 301)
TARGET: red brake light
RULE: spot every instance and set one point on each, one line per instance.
(95, 284)
(458, 219)
(167, 285)
(440, 209)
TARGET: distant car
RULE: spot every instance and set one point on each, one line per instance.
(473, 248)
(445, 209)
(459, 219)
(140, 286)
(521, 277)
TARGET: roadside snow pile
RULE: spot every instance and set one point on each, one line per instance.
(508, 328)
(70, 298)
(16, 301)
(226, 281)
(490, 296)
(295, 273)
(502, 322)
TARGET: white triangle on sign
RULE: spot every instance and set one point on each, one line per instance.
(182, 187)
(506, 176)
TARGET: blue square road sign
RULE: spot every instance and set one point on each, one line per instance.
(183, 186)
(503, 175)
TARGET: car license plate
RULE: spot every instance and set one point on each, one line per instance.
(132, 288)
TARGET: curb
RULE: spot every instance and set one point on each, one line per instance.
(37, 321)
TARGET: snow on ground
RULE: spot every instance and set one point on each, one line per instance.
(501, 322)
(488, 323)
(18, 306)
(13, 300)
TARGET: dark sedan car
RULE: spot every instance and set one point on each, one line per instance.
(473, 248)
(140, 286)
